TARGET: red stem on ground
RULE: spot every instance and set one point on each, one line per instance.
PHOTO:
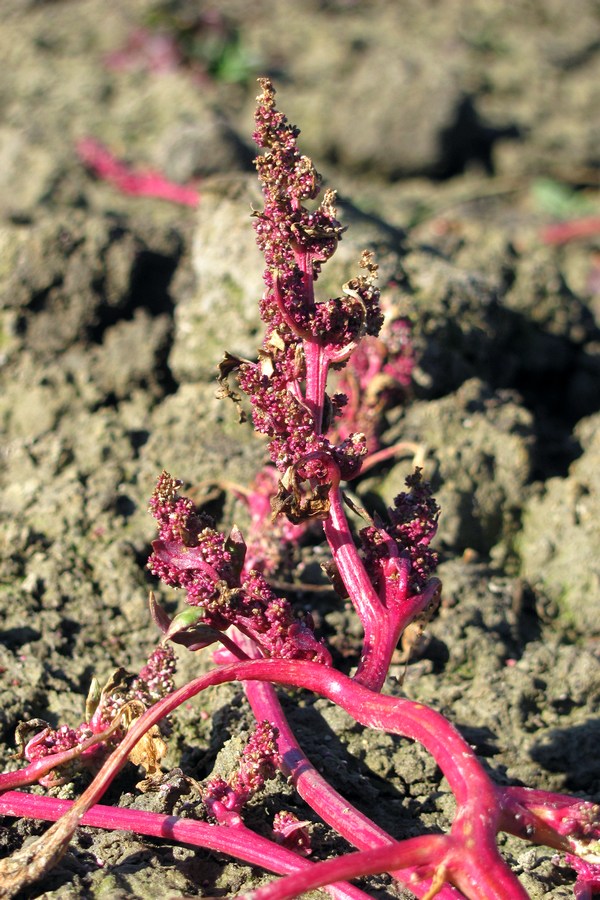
(238, 841)
(138, 182)
(474, 863)
(427, 851)
(334, 809)
(563, 232)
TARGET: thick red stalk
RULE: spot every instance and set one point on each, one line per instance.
(555, 820)
(317, 365)
(349, 564)
(478, 813)
(562, 232)
(427, 851)
(334, 809)
(381, 627)
(239, 841)
(310, 784)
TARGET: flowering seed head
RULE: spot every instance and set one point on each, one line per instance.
(208, 565)
(412, 524)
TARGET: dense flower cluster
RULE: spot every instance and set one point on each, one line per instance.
(411, 526)
(342, 322)
(155, 679)
(258, 763)
(291, 833)
(191, 554)
(294, 241)
(278, 412)
(270, 621)
(304, 336)
(92, 740)
(209, 567)
(50, 741)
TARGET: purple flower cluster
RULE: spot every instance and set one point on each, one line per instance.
(209, 567)
(155, 679)
(304, 336)
(92, 740)
(411, 526)
(50, 741)
(279, 411)
(294, 241)
(258, 763)
(291, 833)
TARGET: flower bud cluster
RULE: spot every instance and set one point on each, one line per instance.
(259, 761)
(294, 240)
(278, 412)
(209, 567)
(411, 526)
(97, 736)
(291, 833)
(285, 387)
(155, 679)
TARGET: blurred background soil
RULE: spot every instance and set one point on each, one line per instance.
(456, 134)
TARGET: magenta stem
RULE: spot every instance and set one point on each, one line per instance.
(238, 841)
(317, 365)
(349, 564)
(427, 851)
(139, 182)
(310, 784)
(383, 618)
(543, 817)
(400, 449)
(381, 627)
(334, 809)
(478, 813)
(86, 752)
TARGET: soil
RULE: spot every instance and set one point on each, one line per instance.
(455, 133)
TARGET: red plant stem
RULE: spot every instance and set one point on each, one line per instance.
(427, 850)
(238, 841)
(474, 862)
(582, 892)
(349, 564)
(32, 773)
(310, 784)
(381, 626)
(383, 619)
(138, 182)
(317, 365)
(545, 800)
(397, 450)
(334, 809)
(562, 232)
